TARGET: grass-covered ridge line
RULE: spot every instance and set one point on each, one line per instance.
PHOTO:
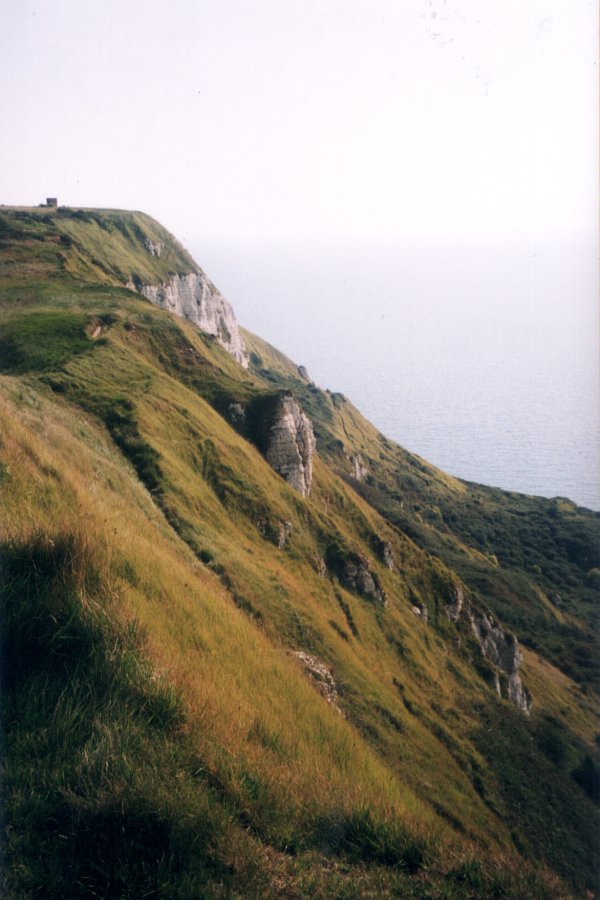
(99, 246)
(149, 588)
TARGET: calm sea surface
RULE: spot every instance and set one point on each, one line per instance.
(482, 359)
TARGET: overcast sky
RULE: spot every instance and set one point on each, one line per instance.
(329, 119)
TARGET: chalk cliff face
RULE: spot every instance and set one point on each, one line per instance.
(154, 248)
(502, 650)
(322, 676)
(291, 444)
(194, 297)
(456, 600)
(387, 555)
(360, 469)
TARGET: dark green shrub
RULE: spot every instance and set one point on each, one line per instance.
(42, 342)
(118, 415)
(550, 739)
(592, 579)
(348, 614)
(343, 634)
(587, 776)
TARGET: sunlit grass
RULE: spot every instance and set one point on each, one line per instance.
(142, 529)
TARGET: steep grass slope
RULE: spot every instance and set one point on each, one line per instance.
(197, 702)
(535, 560)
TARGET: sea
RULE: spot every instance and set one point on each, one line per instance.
(480, 356)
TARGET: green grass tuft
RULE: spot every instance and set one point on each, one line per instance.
(363, 838)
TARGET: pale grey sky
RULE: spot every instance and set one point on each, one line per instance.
(295, 119)
(320, 158)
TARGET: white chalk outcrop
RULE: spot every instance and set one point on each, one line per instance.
(322, 676)
(194, 297)
(356, 576)
(291, 444)
(500, 647)
(154, 248)
(360, 469)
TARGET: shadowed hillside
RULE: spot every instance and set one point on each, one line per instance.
(237, 665)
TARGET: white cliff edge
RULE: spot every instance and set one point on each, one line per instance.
(195, 298)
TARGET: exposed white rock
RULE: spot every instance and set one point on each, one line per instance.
(194, 297)
(518, 694)
(284, 530)
(321, 675)
(422, 612)
(291, 445)
(497, 683)
(154, 248)
(387, 555)
(237, 413)
(457, 599)
(303, 373)
(319, 566)
(275, 531)
(360, 469)
(502, 649)
(357, 577)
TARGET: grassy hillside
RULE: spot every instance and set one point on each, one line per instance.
(165, 735)
(535, 560)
